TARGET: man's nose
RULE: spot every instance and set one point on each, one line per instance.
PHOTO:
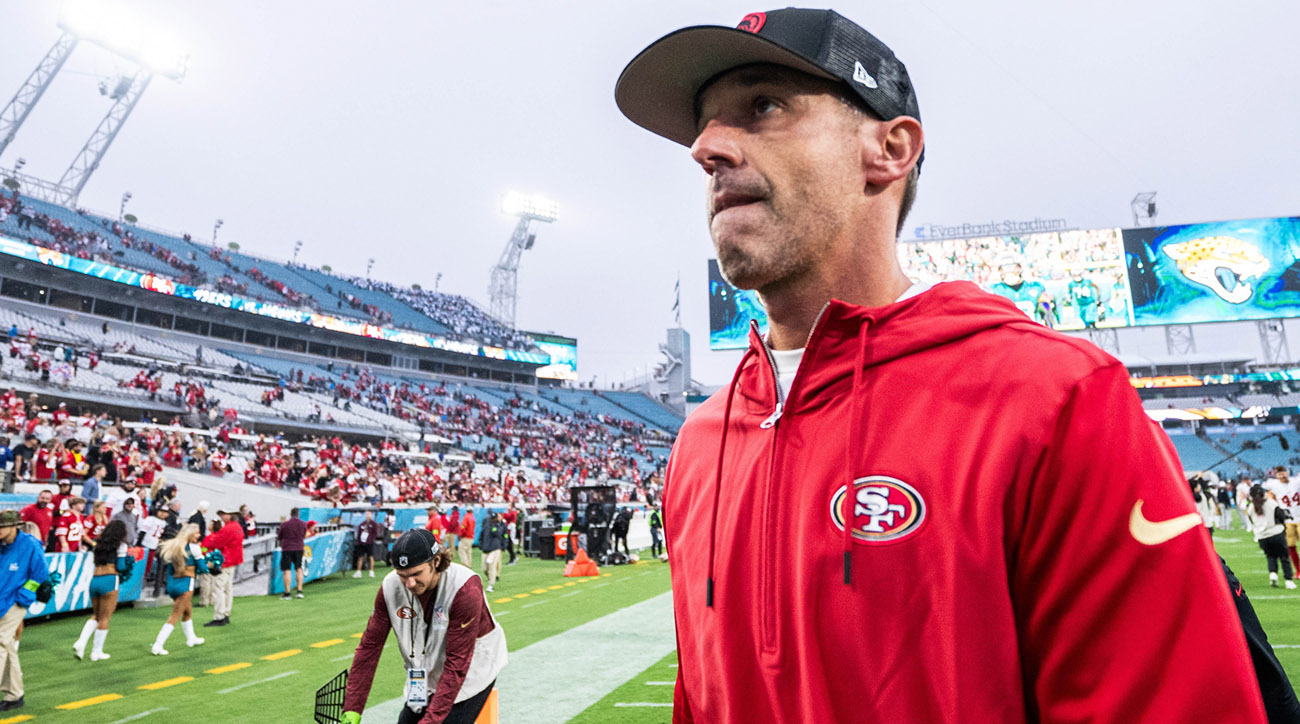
(717, 145)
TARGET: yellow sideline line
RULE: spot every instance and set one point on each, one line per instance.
(554, 588)
(231, 667)
(282, 655)
(507, 599)
(357, 636)
(570, 583)
(523, 595)
(324, 644)
(89, 702)
(166, 683)
(16, 719)
(538, 590)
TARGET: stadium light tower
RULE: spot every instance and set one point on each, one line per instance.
(131, 39)
(121, 213)
(503, 287)
(1144, 208)
(215, 228)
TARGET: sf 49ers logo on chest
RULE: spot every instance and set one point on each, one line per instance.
(881, 509)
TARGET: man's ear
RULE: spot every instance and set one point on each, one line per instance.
(891, 150)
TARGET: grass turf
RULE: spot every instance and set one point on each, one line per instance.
(275, 654)
(526, 600)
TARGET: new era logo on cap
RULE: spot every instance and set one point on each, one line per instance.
(752, 22)
(861, 75)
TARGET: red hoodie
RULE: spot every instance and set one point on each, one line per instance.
(1001, 474)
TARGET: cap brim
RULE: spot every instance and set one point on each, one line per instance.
(657, 89)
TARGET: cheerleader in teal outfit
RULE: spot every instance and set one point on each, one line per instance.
(112, 561)
(183, 558)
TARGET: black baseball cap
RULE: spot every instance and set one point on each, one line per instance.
(414, 547)
(657, 90)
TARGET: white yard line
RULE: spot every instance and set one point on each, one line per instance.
(660, 683)
(644, 635)
(255, 683)
(641, 703)
(141, 715)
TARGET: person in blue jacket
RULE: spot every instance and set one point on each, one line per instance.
(22, 571)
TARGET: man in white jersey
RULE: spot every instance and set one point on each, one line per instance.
(1287, 492)
(451, 646)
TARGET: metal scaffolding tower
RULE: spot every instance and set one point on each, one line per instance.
(124, 100)
(13, 115)
(504, 283)
(125, 91)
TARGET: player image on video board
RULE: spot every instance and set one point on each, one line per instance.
(1064, 280)
(1217, 271)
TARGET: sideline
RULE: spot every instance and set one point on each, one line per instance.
(611, 650)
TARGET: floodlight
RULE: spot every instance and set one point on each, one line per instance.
(131, 37)
(535, 207)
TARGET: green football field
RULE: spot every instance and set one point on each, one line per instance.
(267, 665)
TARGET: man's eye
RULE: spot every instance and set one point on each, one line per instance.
(764, 105)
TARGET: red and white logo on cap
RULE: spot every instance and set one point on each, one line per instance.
(753, 22)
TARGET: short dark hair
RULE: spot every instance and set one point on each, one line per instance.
(441, 560)
(855, 104)
(293, 512)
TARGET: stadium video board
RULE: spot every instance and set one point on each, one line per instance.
(564, 356)
(1066, 280)
(1218, 271)
(1072, 280)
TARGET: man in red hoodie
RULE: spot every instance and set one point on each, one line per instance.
(892, 513)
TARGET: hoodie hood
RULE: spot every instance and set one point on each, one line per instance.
(947, 312)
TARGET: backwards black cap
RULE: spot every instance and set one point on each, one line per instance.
(657, 89)
(414, 547)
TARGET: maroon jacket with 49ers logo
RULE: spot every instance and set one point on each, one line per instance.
(1020, 547)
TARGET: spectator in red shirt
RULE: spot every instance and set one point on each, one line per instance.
(230, 541)
(465, 547)
(42, 514)
(434, 525)
(68, 528)
(451, 524)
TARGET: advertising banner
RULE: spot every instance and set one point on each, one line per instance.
(73, 594)
(58, 259)
(324, 554)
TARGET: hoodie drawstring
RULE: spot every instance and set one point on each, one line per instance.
(717, 483)
(856, 423)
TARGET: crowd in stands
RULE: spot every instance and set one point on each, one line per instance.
(543, 455)
(466, 320)
(457, 313)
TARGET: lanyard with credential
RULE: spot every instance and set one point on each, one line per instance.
(428, 626)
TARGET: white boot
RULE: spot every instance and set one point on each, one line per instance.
(97, 654)
(79, 648)
(357, 574)
(1291, 585)
(1272, 580)
(190, 638)
(158, 643)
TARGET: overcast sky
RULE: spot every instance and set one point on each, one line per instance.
(391, 130)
